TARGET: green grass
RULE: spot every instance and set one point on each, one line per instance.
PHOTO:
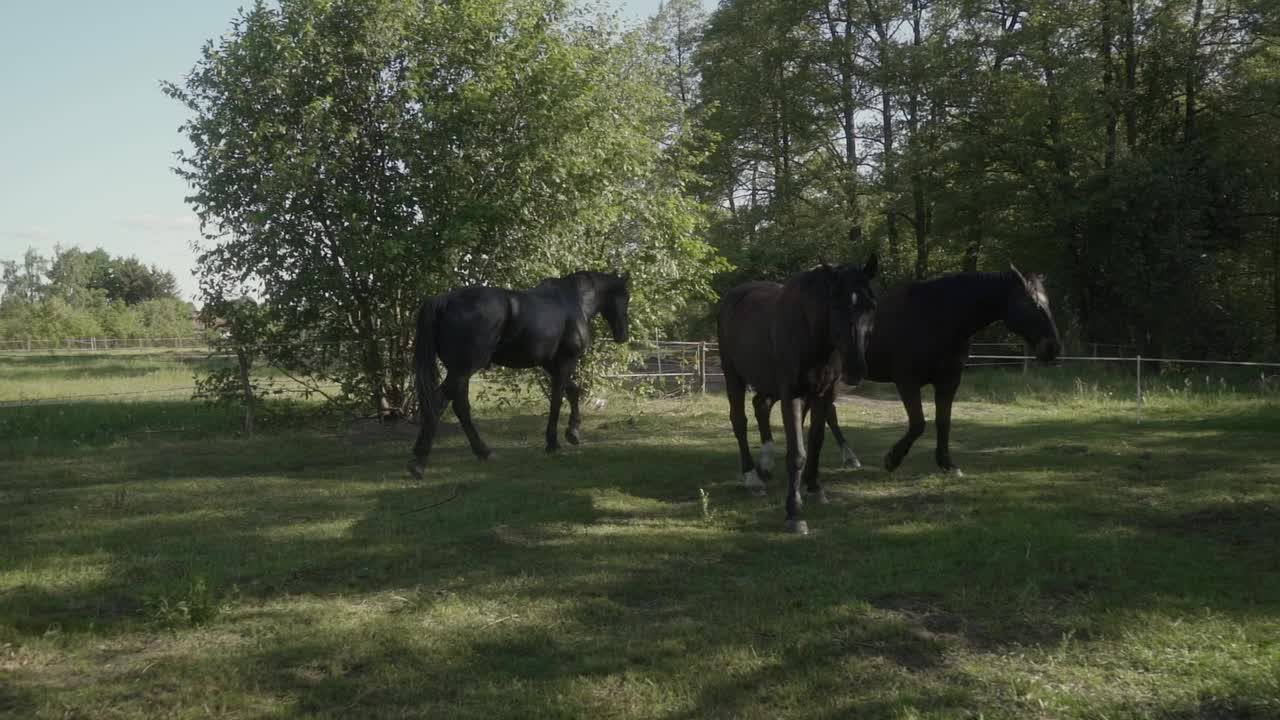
(1086, 566)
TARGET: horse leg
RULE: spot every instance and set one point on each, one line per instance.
(457, 388)
(793, 425)
(559, 378)
(847, 456)
(943, 395)
(572, 393)
(763, 406)
(736, 389)
(910, 395)
(428, 424)
(817, 434)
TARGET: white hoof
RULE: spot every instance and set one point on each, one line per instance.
(751, 480)
(766, 456)
(850, 460)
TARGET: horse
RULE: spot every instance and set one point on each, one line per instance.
(793, 342)
(475, 327)
(921, 337)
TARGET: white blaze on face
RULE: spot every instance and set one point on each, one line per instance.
(853, 297)
(1041, 298)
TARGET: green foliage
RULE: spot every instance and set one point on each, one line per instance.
(1128, 149)
(86, 294)
(351, 158)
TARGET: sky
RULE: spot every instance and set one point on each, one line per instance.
(87, 139)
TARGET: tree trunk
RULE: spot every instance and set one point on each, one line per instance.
(849, 114)
(245, 360)
(1193, 73)
(889, 169)
(1108, 86)
(920, 214)
(1129, 97)
(1275, 278)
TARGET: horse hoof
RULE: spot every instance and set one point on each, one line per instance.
(953, 471)
(818, 498)
(797, 527)
(766, 458)
(415, 469)
(890, 464)
(850, 460)
(573, 436)
(752, 482)
(486, 456)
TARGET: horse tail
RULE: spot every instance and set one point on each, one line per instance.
(426, 376)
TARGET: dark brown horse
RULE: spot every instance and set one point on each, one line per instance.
(548, 327)
(793, 342)
(921, 337)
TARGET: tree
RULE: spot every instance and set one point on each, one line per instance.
(351, 157)
(24, 283)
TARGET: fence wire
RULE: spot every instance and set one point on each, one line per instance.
(687, 363)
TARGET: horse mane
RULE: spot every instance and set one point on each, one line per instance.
(597, 279)
(963, 282)
(816, 279)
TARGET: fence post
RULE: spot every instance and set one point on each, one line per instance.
(658, 345)
(1138, 362)
(702, 365)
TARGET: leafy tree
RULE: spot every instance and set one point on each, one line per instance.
(351, 157)
(24, 282)
(1122, 145)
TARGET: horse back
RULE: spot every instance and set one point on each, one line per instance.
(914, 337)
(744, 328)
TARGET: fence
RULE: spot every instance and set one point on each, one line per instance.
(698, 361)
(697, 364)
(95, 344)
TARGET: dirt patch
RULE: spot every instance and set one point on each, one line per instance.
(1228, 708)
(1238, 523)
(923, 608)
(46, 614)
(370, 431)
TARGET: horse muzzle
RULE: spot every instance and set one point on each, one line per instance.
(854, 372)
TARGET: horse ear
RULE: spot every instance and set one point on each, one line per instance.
(871, 267)
(626, 279)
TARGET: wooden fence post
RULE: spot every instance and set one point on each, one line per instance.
(702, 365)
(1139, 366)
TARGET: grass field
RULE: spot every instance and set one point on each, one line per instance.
(156, 564)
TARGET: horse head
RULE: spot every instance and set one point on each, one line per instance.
(616, 297)
(1028, 315)
(852, 304)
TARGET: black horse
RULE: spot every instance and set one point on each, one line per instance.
(474, 327)
(793, 342)
(921, 337)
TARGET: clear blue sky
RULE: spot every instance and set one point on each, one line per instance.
(86, 136)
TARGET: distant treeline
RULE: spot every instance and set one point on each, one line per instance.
(88, 294)
(1130, 149)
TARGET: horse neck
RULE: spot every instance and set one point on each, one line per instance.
(589, 298)
(983, 303)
